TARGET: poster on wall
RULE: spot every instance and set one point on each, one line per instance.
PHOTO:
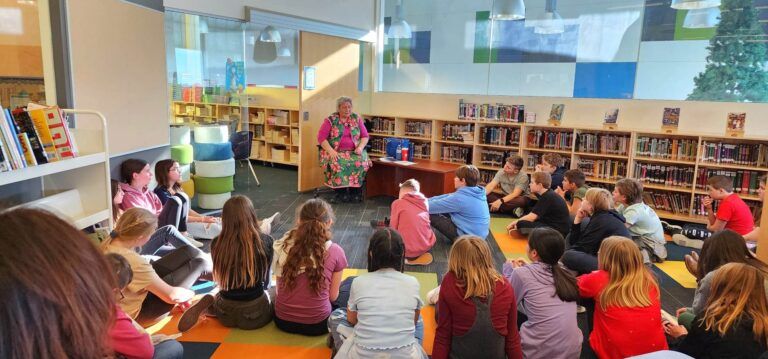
(556, 115)
(735, 124)
(671, 119)
(611, 118)
(235, 77)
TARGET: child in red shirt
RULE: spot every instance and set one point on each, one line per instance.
(627, 319)
(732, 214)
(410, 217)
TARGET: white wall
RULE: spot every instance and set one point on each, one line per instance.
(352, 13)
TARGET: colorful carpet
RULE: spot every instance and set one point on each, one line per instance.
(209, 339)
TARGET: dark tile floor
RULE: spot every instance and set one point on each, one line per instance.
(352, 229)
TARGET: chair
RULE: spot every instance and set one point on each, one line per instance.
(241, 147)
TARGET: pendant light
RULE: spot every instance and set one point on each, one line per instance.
(399, 28)
(694, 4)
(702, 18)
(283, 51)
(270, 34)
(508, 10)
(552, 23)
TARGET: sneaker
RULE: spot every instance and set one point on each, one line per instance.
(433, 296)
(329, 341)
(376, 224)
(422, 260)
(519, 212)
(580, 309)
(692, 263)
(671, 228)
(684, 241)
(193, 241)
(191, 315)
(266, 223)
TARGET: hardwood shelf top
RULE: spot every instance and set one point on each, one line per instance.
(601, 180)
(744, 196)
(603, 155)
(426, 165)
(732, 166)
(535, 149)
(681, 217)
(486, 167)
(500, 147)
(487, 123)
(412, 137)
(664, 160)
(460, 143)
(667, 188)
(381, 134)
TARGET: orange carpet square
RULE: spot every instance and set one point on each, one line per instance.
(236, 350)
(430, 325)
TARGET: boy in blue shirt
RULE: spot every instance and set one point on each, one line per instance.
(462, 212)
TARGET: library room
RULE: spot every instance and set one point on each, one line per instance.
(507, 178)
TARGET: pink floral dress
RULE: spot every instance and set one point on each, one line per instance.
(350, 168)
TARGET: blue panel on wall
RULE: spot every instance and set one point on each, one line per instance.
(514, 43)
(604, 79)
(659, 21)
(421, 43)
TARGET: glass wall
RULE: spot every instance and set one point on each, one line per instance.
(21, 62)
(623, 49)
(213, 60)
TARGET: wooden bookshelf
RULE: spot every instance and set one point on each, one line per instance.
(276, 134)
(687, 152)
(195, 113)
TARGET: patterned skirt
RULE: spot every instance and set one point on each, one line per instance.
(347, 171)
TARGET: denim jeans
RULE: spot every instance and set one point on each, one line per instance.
(169, 349)
(164, 236)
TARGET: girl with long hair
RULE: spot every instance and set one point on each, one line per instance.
(157, 287)
(721, 248)
(585, 240)
(136, 176)
(383, 313)
(167, 235)
(308, 268)
(627, 320)
(57, 302)
(168, 177)
(476, 306)
(735, 321)
(242, 256)
(546, 294)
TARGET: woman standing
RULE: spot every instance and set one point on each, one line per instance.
(477, 314)
(343, 137)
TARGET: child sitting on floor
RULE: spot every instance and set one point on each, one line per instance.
(477, 311)
(735, 322)
(627, 318)
(549, 211)
(410, 218)
(127, 337)
(382, 318)
(462, 212)
(642, 221)
(509, 189)
(732, 214)
(547, 295)
(552, 163)
(573, 185)
(305, 289)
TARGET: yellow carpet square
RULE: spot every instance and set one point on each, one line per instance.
(499, 224)
(676, 270)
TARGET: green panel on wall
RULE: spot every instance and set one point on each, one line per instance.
(482, 38)
(682, 33)
(405, 51)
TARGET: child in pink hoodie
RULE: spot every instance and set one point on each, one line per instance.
(410, 217)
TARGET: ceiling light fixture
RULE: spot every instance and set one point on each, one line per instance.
(508, 10)
(399, 28)
(694, 4)
(270, 34)
(702, 18)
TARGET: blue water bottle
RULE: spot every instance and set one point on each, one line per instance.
(410, 152)
(398, 154)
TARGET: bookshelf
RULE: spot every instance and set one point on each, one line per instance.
(195, 113)
(77, 189)
(276, 136)
(672, 167)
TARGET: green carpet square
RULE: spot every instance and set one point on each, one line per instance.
(273, 336)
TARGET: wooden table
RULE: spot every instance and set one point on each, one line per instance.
(436, 178)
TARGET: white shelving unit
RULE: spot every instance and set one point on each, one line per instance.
(77, 189)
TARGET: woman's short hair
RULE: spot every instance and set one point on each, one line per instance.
(57, 289)
(599, 198)
(386, 250)
(341, 100)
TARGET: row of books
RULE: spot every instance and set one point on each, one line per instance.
(603, 143)
(549, 139)
(698, 206)
(667, 175)
(35, 137)
(500, 136)
(494, 158)
(456, 132)
(456, 154)
(744, 182)
(675, 202)
(677, 149)
(604, 169)
(422, 150)
(534, 159)
(378, 145)
(748, 154)
(382, 125)
(486, 176)
(418, 128)
(489, 112)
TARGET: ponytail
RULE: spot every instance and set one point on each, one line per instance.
(549, 244)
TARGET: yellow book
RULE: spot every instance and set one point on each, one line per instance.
(46, 139)
(27, 148)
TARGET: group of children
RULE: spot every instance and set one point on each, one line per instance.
(585, 246)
